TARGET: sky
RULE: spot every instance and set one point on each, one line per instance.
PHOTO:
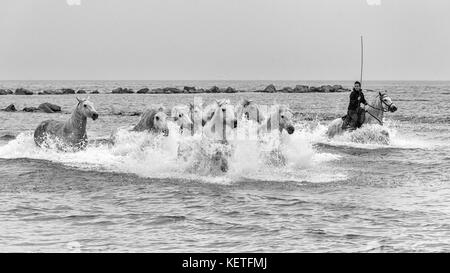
(224, 39)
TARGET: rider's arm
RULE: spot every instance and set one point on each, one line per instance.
(363, 100)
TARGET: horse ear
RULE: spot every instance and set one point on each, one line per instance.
(79, 100)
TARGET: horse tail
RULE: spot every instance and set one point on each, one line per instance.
(40, 132)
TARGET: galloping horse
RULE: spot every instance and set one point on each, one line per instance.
(153, 119)
(279, 118)
(219, 119)
(70, 134)
(181, 114)
(249, 110)
(381, 104)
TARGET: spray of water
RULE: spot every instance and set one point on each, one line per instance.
(272, 156)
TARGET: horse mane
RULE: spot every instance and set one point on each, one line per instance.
(147, 120)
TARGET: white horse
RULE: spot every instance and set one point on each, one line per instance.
(219, 119)
(281, 118)
(212, 152)
(182, 116)
(153, 119)
(70, 134)
(381, 104)
(249, 110)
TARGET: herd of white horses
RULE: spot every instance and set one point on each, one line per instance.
(216, 121)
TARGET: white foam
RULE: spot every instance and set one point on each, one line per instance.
(156, 156)
(372, 136)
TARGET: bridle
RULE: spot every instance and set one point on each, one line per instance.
(380, 109)
(382, 102)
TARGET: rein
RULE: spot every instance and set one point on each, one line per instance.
(380, 121)
(382, 109)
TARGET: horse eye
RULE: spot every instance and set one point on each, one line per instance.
(282, 116)
(85, 105)
(180, 115)
(157, 118)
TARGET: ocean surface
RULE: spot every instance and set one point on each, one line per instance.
(347, 194)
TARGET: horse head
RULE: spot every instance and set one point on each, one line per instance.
(284, 116)
(249, 110)
(286, 122)
(86, 109)
(153, 119)
(386, 101)
(181, 114)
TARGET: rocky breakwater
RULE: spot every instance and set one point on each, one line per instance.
(185, 90)
(305, 89)
(44, 108)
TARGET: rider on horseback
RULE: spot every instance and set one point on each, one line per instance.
(356, 114)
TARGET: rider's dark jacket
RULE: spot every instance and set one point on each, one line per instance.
(356, 97)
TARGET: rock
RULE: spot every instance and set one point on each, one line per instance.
(230, 90)
(95, 92)
(189, 89)
(121, 90)
(67, 91)
(301, 89)
(213, 89)
(23, 91)
(169, 90)
(51, 92)
(314, 89)
(143, 91)
(270, 89)
(343, 90)
(5, 92)
(157, 91)
(10, 108)
(57, 92)
(336, 87)
(81, 92)
(287, 90)
(30, 109)
(49, 108)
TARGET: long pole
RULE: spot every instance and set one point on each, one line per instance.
(362, 60)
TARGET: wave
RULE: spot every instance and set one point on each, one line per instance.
(156, 156)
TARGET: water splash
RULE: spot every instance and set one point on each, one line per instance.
(273, 157)
(370, 136)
